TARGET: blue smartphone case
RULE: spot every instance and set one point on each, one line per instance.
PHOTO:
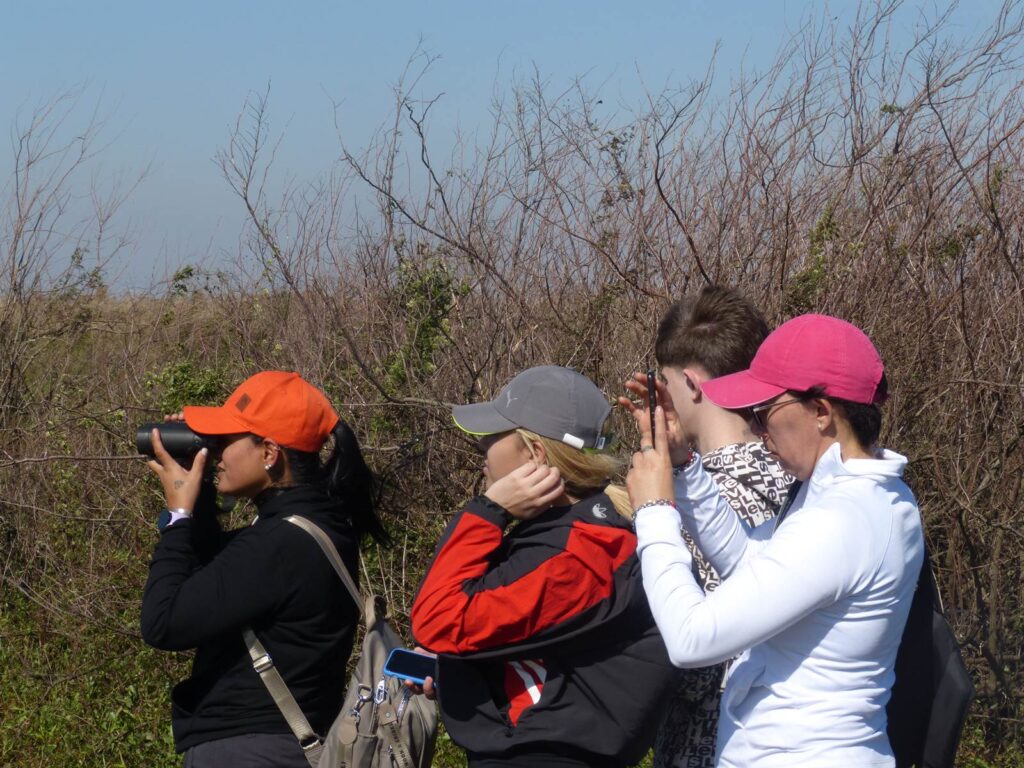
(402, 664)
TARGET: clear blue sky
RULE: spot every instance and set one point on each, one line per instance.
(173, 76)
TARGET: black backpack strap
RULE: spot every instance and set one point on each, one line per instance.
(933, 689)
(791, 495)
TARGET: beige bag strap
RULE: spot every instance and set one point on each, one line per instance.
(333, 557)
(311, 744)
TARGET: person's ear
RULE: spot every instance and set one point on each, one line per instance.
(824, 414)
(539, 454)
(694, 381)
(271, 454)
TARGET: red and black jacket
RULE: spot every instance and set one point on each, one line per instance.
(544, 635)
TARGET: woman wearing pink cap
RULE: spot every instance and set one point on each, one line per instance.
(206, 587)
(813, 605)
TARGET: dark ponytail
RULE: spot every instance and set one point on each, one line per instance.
(346, 478)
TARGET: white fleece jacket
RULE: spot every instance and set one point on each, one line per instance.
(816, 608)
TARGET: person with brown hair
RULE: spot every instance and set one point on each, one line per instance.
(815, 602)
(701, 337)
(547, 651)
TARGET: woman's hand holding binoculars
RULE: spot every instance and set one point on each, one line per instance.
(181, 486)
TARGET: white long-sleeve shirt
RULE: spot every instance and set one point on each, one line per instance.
(816, 608)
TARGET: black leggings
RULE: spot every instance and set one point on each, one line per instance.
(251, 750)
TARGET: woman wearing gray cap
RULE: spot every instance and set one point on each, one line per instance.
(548, 653)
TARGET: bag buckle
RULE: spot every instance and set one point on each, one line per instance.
(263, 663)
(363, 698)
(363, 693)
(312, 744)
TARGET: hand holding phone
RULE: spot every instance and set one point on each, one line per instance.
(652, 398)
(410, 665)
(639, 386)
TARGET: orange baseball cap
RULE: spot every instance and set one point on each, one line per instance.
(278, 405)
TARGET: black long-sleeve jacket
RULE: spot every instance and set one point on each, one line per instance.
(273, 577)
(545, 637)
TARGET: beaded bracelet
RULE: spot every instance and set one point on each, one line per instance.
(656, 503)
(681, 468)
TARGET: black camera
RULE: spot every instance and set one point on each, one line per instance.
(178, 440)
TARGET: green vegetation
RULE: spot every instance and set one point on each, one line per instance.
(185, 383)
(805, 287)
(77, 694)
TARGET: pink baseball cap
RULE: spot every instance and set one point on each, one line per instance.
(805, 352)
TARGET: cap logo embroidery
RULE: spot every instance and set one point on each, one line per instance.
(243, 402)
(599, 512)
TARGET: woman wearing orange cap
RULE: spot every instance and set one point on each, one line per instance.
(206, 586)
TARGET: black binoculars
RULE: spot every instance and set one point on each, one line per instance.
(178, 440)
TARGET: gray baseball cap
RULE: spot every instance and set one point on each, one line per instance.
(550, 400)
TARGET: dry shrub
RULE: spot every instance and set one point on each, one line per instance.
(850, 178)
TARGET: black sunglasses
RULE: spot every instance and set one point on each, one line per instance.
(761, 413)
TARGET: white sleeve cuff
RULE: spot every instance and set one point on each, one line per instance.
(658, 525)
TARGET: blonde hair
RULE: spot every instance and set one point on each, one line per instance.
(583, 472)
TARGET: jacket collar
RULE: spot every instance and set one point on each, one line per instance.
(595, 508)
(274, 501)
(831, 469)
